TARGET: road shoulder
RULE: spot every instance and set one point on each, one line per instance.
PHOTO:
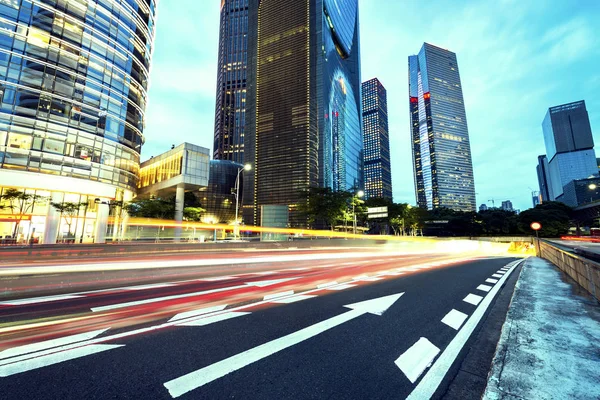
(550, 342)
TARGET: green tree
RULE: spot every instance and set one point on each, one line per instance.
(554, 216)
(325, 205)
(193, 213)
(499, 222)
(20, 204)
(151, 208)
(68, 211)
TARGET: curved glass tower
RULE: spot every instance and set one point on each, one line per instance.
(303, 108)
(73, 89)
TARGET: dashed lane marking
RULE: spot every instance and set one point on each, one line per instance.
(417, 358)
(489, 280)
(484, 288)
(454, 319)
(473, 299)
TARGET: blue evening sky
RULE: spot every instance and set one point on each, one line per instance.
(516, 59)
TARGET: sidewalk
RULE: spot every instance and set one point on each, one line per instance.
(550, 342)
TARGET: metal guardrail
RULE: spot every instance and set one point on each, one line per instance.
(583, 270)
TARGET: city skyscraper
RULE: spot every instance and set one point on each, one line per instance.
(230, 113)
(542, 174)
(442, 163)
(378, 173)
(303, 118)
(73, 89)
(569, 147)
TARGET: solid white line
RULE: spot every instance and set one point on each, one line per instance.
(218, 278)
(489, 280)
(144, 287)
(165, 298)
(55, 358)
(484, 288)
(473, 299)
(454, 319)
(186, 383)
(47, 344)
(213, 319)
(324, 285)
(431, 381)
(497, 276)
(276, 295)
(293, 299)
(35, 300)
(195, 313)
(417, 358)
(341, 287)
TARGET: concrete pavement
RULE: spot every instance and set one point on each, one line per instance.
(550, 342)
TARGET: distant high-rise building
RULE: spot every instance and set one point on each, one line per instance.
(378, 173)
(507, 205)
(441, 149)
(536, 200)
(569, 146)
(230, 112)
(303, 111)
(543, 177)
(483, 207)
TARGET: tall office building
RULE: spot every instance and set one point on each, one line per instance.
(73, 89)
(507, 205)
(442, 162)
(569, 146)
(230, 111)
(378, 173)
(303, 119)
(542, 174)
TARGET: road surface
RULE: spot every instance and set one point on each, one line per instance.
(302, 325)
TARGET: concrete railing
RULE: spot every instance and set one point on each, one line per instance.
(584, 271)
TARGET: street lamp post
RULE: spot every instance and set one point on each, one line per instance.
(246, 167)
(359, 194)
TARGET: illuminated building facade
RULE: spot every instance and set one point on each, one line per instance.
(378, 174)
(442, 162)
(73, 90)
(303, 117)
(231, 82)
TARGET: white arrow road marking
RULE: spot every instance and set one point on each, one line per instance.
(484, 288)
(48, 344)
(416, 359)
(50, 359)
(212, 319)
(473, 299)
(454, 319)
(39, 300)
(198, 378)
(38, 355)
(195, 313)
(182, 296)
(431, 381)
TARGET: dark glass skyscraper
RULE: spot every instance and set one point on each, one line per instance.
(230, 111)
(441, 149)
(303, 120)
(378, 175)
(569, 147)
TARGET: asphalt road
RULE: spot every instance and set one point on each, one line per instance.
(330, 325)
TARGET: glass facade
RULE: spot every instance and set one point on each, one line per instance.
(378, 175)
(219, 197)
(303, 121)
(73, 87)
(567, 128)
(231, 82)
(443, 167)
